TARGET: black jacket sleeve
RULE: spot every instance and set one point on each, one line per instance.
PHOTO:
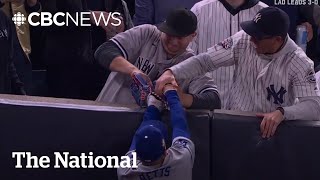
(16, 84)
(105, 54)
(207, 100)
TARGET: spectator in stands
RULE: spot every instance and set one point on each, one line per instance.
(9, 80)
(213, 30)
(131, 4)
(22, 47)
(147, 51)
(307, 15)
(156, 11)
(284, 65)
(68, 51)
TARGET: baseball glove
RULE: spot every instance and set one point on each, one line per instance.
(140, 89)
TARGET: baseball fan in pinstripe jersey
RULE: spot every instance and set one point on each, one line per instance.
(217, 20)
(271, 71)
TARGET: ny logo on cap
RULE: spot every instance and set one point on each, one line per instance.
(257, 18)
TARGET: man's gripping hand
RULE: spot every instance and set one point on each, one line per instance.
(270, 122)
(166, 78)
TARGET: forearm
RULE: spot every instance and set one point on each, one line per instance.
(119, 64)
(110, 57)
(192, 67)
(152, 113)
(186, 99)
(177, 115)
(209, 99)
(307, 109)
(106, 53)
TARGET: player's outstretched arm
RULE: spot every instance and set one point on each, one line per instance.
(110, 57)
(223, 54)
(152, 113)
(208, 99)
(177, 114)
(204, 93)
(308, 108)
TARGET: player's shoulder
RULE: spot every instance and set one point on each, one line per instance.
(300, 62)
(146, 32)
(240, 38)
(185, 55)
(300, 57)
(146, 29)
(241, 35)
(189, 52)
(149, 27)
(182, 150)
(182, 143)
(202, 4)
(261, 5)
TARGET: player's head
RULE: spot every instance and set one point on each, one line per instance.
(268, 29)
(179, 29)
(150, 142)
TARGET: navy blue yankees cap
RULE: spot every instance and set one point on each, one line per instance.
(268, 22)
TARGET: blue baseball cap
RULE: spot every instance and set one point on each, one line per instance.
(150, 140)
(268, 22)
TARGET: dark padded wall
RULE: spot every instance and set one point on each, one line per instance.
(44, 130)
(239, 152)
(228, 145)
(199, 125)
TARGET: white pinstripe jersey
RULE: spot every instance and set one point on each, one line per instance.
(142, 46)
(262, 83)
(216, 23)
(318, 78)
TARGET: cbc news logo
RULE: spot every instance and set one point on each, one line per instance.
(67, 19)
(19, 19)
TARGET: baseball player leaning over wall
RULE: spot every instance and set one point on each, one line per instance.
(154, 160)
(271, 71)
(217, 20)
(148, 51)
